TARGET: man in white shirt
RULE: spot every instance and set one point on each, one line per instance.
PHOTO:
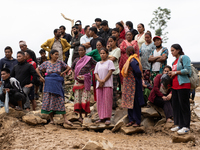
(85, 39)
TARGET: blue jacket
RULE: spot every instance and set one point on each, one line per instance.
(185, 68)
(6, 63)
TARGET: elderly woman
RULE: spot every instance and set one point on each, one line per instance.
(181, 70)
(140, 38)
(53, 98)
(82, 68)
(160, 97)
(132, 95)
(123, 46)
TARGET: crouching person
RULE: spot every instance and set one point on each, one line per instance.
(12, 86)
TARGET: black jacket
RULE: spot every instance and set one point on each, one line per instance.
(23, 72)
(106, 34)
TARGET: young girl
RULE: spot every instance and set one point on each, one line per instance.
(114, 55)
(103, 73)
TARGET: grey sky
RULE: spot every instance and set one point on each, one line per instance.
(34, 21)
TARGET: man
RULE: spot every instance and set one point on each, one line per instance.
(93, 42)
(115, 32)
(23, 72)
(15, 92)
(43, 57)
(57, 43)
(129, 24)
(32, 92)
(158, 57)
(68, 37)
(98, 25)
(85, 39)
(75, 43)
(23, 47)
(106, 30)
(78, 23)
(8, 61)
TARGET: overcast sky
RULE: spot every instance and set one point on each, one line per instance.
(34, 21)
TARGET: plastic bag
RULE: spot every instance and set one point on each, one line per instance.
(7, 103)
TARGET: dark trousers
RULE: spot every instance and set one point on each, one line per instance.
(115, 82)
(165, 105)
(135, 113)
(181, 107)
(13, 98)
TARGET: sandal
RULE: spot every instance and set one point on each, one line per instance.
(98, 121)
(130, 124)
(18, 108)
(170, 121)
(107, 122)
(136, 125)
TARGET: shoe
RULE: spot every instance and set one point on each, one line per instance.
(175, 128)
(184, 130)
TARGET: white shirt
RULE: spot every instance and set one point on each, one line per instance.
(84, 39)
(156, 65)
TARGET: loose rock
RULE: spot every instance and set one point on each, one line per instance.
(132, 130)
(183, 138)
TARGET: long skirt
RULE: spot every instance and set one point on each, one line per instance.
(82, 100)
(53, 103)
(104, 102)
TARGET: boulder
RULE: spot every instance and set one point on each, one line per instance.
(87, 121)
(131, 130)
(76, 125)
(12, 113)
(95, 117)
(148, 122)
(33, 120)
(72, 116)
(150, 112)
(158, 109)
(9, 122)
(38, 113)
(119, 114)
(100, 126)
(120, 123)
(182, 138)
(161, 121)
(92, 145)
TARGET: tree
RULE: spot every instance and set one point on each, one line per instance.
(159, 22)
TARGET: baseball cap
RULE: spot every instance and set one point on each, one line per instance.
(157, 37)
(78, 22)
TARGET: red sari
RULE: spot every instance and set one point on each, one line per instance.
(124, 57)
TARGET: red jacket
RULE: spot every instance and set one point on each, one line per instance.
(30, 61)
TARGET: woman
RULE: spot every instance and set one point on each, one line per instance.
(146, 50)
(114, 55)
(181, 69)
(53, 97)
(140, 37)
(132, 95)
(123, 46)
(96, 56)
(103, 73)
(162, 99)
(82, 68)
(120, 26)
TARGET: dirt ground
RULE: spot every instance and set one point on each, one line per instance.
(55, 137)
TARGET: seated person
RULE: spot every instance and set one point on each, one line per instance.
(12, 86)
(162, 99)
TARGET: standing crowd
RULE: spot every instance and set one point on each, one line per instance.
(117, 62)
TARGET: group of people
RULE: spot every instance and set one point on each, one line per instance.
(111, 60)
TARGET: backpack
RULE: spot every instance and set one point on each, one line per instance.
(194, 79)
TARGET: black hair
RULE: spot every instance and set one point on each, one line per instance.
(105, 49)
(128, 32)
(104, 23)
(113, 37)
(52, 52)
(82, 47)
(120, 24)
(115, 29)
(178, 47)
(6, 70)
(100, 42)
(131, 52)
(29, 52)
(86, 27)
(55, 31)
(98, 20)
(42, 51)
(148, 33)
(94, 29)
(62, 27)
(8, 48)
(167, 66)
(75, 26)
(130, 24)
(21, 52)
(142, 25)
